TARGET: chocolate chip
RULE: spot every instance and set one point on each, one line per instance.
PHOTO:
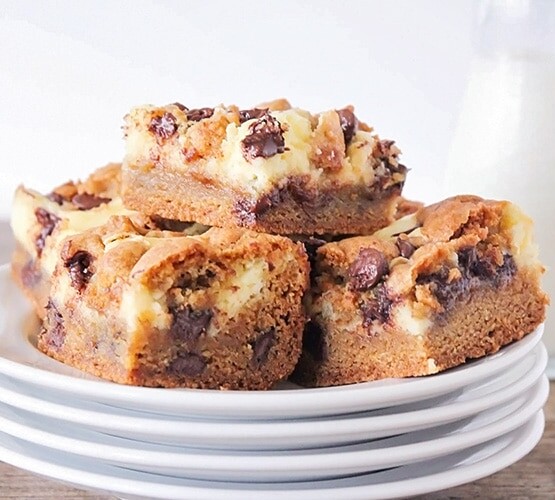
(182, 107)
(406, 248)
(367, 269)
(447, 292)
(188, 364)
(56, 198)
(86, 201)
(196, 115)
(204, 280)
(377, 307)
(30, 274)
(261, 348)
(475, 271)
(55, 335)
(349, 124)
(471, 265)
(296, 189)
(188, 324)
(314, 343)
(384, 148)
(264, 140)
(506, 272)
(264, 203)
(250, 114)
(301, 193)
(248, 211)
(170, 224)
(163, 126)
(48, 222)
(79, 266)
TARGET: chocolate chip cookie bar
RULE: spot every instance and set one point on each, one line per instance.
(41, 223)
(273, 168)
(220, 310)
(455, 281)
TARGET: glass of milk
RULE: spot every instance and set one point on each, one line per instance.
(504, 145)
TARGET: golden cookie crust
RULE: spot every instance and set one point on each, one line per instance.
(455, 281)
(272, 168)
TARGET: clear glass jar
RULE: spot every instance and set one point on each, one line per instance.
(504, 145)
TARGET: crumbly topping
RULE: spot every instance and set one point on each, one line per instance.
(256, 148)
(433, 256)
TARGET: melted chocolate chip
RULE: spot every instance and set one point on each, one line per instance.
(248, 211)
(188, 364)
(196, 115)
(473, 266)
(48, 222)
(368, 268)
(349, 124)
(56, 198)
(446, 293)
(299, 191)
(163, 126)
(264, 140)
(384, 148)
(170, 224)
(406, 248)
(30, 274)
(377, 307)
(261, 348)
(54, 337)
(249, 114)
(182, 107)
(79, 266)
(314, 343)
(188, 324)
(475, 272)
(86, 201)
(506, 272)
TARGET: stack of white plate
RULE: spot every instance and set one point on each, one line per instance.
(385, 439)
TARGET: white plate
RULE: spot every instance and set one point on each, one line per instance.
(20, 359)
(275, 435)
(434, 475)
(300, 465)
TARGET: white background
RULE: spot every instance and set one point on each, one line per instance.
(70, 70)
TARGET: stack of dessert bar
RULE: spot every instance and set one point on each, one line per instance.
(234, 248)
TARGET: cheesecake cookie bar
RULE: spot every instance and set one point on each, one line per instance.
(455, 281)
(221, 310)
(273, 168)
(41, 223)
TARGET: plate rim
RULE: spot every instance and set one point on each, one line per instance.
(344, 462)
(263, 404)
(180, 430)
(522, 441)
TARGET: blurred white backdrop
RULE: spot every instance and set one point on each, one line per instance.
(70, 70)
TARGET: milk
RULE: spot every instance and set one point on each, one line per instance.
(504, 145)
